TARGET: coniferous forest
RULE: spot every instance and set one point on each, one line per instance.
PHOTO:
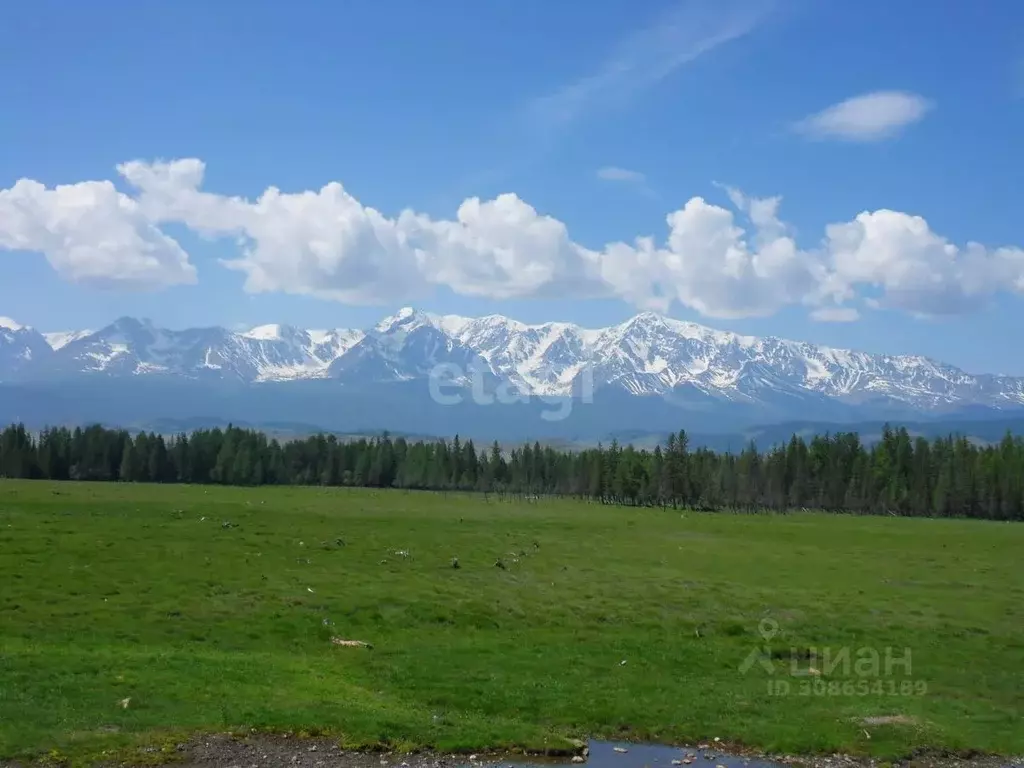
(899, 475)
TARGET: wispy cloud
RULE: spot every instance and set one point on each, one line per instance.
(626, 177)
(835, 315)
(692, 29)
(614, 173)
(869, 117)
(689, 30)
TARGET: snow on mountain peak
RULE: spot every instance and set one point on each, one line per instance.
(406, 316)
(646, 354)
(271, 332)
(59, 339)
(651, 321)
(453, 325)
(409, 318)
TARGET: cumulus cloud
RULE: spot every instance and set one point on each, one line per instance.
(328, 244)
(502, 249)
(918, 270)
(723, 262)
(91, 233)
(717, 269)
(322, 243)
(869, 117)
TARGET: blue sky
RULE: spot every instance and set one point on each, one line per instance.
(606, 120)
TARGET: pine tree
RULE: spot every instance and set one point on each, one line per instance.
(946, 477)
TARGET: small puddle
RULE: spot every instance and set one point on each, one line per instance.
(621, 754)
(605, 754)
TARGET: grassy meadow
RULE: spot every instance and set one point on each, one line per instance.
(133, 614)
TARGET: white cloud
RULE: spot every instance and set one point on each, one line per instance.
(869, 117)
(720, 262)
(322, 243)
(691, 29)
(614, 173)
(625, 177)
(835, 315)
(502, 249)
(91, 233)
(919, 270)
(714, 268)
(327, 244)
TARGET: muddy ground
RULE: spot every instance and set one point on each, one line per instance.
(260, 751)
(263, 752)
(223, 751)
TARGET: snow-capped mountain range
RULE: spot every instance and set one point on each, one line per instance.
(646, 355)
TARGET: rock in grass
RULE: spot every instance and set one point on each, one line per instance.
(350, 643)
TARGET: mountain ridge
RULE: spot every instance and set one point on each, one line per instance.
(647, 354)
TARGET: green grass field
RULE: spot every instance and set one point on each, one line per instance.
(114, 592)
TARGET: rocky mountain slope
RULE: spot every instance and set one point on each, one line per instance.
(646, 355)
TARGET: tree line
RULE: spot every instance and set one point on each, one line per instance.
(898, 475)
